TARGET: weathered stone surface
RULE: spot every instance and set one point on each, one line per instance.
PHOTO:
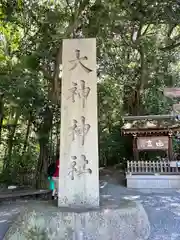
(79, 172)
(153, 181)
(127, 221)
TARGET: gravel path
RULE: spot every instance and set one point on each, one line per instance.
(8, 211)
(162, 207)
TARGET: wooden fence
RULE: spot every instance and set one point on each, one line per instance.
(150, 167)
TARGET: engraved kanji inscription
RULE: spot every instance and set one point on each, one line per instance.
(159, 143)
(73, 91)
(79, 60)
(84, 168)
(149, 143)
(80, 130)
(81, 168)
(73, 168)
(82, 92)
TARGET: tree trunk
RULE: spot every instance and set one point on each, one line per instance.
(8, 158)
(42, 166)
(27, 134)
(1, 113)
(51, 147)
(43, 133)
(58, 138)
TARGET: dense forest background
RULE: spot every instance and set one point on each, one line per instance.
(138, 43)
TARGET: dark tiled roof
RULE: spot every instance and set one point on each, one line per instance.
(149, 126)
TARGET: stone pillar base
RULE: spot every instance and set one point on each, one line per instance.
(127, 220)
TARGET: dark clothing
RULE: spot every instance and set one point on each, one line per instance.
(51, 169)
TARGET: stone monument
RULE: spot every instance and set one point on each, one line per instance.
(79, 170)
(80, 216)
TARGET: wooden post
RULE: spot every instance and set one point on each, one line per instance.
(170, 147)
(135, 150)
